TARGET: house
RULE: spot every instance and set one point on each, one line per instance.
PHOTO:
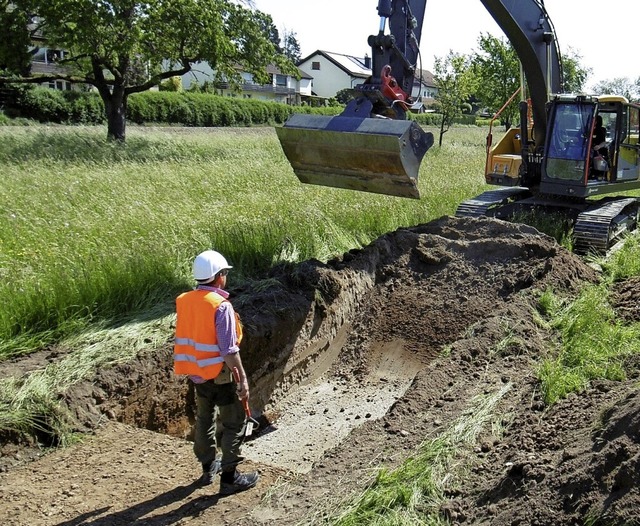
(424, 91)
(281, 88)
(333, 72)
(45, 59)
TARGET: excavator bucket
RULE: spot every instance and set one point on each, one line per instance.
(368, 154)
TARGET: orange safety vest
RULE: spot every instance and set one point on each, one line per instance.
(196, 350)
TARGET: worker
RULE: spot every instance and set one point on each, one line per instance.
(208, 335)
(599, 147)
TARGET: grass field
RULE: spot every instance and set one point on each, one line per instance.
(92, 232)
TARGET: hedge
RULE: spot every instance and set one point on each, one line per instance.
(434, 119)
(166, 107)
(151, 107)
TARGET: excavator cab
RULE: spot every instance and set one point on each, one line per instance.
(371, 146)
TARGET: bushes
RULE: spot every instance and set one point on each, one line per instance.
(152, 107)
(434, 119)
(48, 105)
(203, 109)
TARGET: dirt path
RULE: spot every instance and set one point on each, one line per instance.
(355, 363)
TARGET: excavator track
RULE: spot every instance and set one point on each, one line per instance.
(598, 228)
(481, 205)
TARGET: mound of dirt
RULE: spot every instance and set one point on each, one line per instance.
(354, 364)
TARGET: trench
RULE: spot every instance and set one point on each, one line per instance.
(331, 347)
(321, 377)
(297, 426)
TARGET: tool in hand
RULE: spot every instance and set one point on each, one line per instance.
(252, 423)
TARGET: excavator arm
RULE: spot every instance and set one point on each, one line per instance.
(371, 146)
(528, 27)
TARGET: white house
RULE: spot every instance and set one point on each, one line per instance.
(333, 72)
(281, 88)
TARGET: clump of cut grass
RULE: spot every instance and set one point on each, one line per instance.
(30, 405)
(510, 343)
(412, 493)
(594, 344)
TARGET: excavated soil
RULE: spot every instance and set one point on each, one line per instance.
(354, 363)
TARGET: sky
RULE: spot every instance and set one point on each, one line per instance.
(605, 33)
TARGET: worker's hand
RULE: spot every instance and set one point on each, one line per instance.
(242, 389)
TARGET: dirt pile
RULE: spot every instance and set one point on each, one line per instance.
(355, 363)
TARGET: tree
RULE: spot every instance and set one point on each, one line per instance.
(106, 42)
(497, 70)
(291, 46)
(575, 75)
(455, 82)
(619, 86)
(15, 58)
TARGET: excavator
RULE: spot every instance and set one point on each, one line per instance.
(549, 162)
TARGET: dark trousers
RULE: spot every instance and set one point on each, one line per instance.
(220, 423)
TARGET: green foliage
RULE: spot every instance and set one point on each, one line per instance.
(14, 55)
(202, 109)
(455, 84)
(47, 105)
(171, 84)
(497, 71)
(54, 106)
(619, 86)
(575, 75)
(291, 47)
(594, 344)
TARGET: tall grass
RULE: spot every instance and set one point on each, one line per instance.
(92, 232)
(593, 342)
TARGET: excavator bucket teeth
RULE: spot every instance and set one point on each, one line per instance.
(368, 154)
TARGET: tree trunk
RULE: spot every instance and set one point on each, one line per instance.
(442, 130)
(116, 108)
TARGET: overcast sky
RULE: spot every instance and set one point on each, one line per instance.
(605, 33)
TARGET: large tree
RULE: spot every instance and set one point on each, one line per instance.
(15, 58)
(574, 74)
(497, 70)
(107, 42)
(455, 82)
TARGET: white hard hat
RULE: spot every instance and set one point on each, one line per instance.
(208, 264)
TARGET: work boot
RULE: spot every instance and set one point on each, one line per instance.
(209, 471)
(234, 481)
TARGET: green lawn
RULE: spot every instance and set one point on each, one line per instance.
(91, 232)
